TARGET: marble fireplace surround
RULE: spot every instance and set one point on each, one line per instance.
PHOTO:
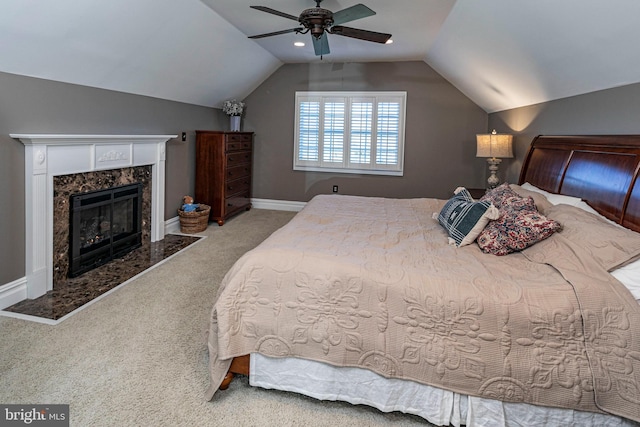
(49, 155)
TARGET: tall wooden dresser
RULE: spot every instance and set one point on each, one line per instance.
(223, 172)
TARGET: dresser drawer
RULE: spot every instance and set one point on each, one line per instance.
(238, 172)
(238, 158)
(241, 185)
(235, 142)
(237, 202)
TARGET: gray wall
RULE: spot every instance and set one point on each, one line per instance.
(606, 112)
(29, 105)
(439, 147)
(441, 125)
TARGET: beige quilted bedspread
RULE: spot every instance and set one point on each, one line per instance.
(372, 283)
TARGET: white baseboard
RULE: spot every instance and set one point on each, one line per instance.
(172, 225)
(277, 205)
(13, 292)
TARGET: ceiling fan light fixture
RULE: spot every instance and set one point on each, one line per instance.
(298, 44)
(317, 31)
(319, 22)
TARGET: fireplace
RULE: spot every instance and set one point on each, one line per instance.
(103, 224)
(50, 156)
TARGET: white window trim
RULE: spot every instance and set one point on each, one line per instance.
(346, 167)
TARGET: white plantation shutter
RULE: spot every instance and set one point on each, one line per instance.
(360, 135)
(350, 132)
(333, 129)
(309, 137)
(388, 131)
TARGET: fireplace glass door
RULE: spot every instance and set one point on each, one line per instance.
(104, 224)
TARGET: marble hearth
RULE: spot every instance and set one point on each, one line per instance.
(52, 162)
(72, 294)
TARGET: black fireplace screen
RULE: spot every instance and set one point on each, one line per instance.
(104, 224)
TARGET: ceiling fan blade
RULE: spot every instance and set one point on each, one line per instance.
(351, 14)
(355, 33)
(276, 33)
(321, 45)
(274, 12)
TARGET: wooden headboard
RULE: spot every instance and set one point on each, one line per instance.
(600, 169)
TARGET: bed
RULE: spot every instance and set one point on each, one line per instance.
(361, 291)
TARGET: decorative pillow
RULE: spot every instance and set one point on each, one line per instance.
(610, 245)
(464, 219)
(461, 191)
(520, 225)
(542, 203)
(499, 194)
(517, 203)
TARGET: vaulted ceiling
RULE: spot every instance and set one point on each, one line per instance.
(501, 53)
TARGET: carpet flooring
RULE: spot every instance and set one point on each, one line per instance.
(138, 356)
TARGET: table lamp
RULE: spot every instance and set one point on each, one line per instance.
(494, 147)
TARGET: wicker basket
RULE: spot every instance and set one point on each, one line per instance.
(194, 221)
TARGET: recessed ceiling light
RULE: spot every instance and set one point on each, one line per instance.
(389, 41)
(299, 44)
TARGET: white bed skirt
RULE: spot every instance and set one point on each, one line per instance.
(439, 407)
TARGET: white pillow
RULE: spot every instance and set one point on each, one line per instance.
(629, 275)
(555, 199)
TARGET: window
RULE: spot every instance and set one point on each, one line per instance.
(350, 132)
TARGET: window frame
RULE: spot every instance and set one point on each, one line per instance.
(349, 98)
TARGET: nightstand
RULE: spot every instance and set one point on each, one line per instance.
(477, 193)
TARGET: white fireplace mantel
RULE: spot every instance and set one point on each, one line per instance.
(47, 156)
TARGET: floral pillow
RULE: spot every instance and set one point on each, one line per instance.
(464, 219)
(520, 225)
(499, 195)
(542, 203)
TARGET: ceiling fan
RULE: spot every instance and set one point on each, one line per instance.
(319, 22)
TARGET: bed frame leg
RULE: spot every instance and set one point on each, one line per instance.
(226, 381)
(239, 365)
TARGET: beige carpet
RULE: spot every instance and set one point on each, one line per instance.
(138, 356)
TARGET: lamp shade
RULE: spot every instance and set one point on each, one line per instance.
(494, 145)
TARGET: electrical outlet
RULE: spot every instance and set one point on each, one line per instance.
(184, 136)
(335, 188)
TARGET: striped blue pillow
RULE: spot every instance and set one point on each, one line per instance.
(465, 219)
